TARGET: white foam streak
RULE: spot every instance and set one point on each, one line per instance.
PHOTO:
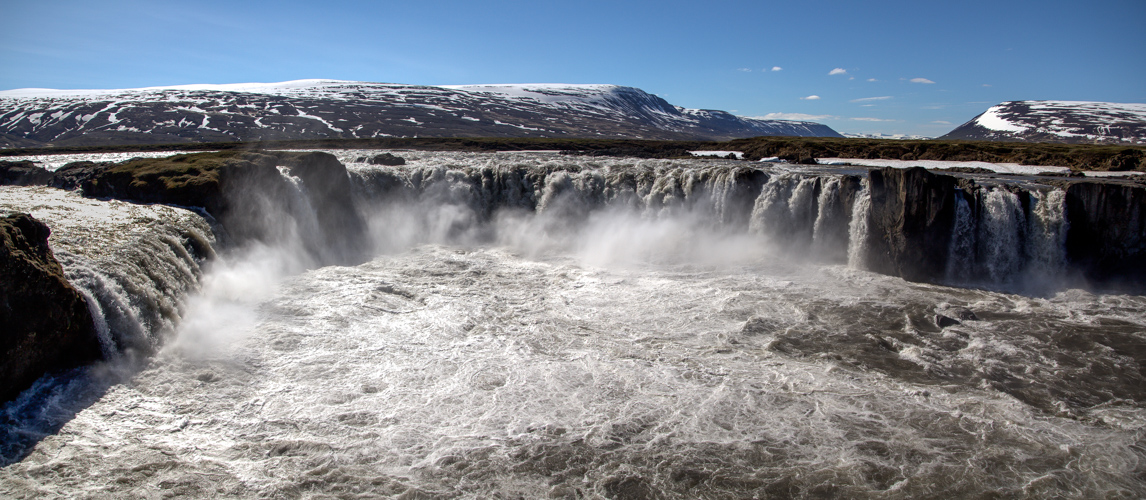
(961, 253)
(1000, 234)
(858, 228)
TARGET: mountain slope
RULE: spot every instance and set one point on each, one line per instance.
(1057, 121)
(317, 109)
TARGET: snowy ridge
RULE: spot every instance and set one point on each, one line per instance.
(1058, 121)
(331, 109)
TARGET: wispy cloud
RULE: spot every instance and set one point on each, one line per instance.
(776, 68)
(812, 97)
(864, 119)
(921, 80)
(793, 116)
(869, 99)
(941, 122)
(838, 71)
(872, 80)
(746, 70)
(986, 85)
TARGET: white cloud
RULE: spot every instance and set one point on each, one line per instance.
(868, 99)
(793, 116)
(871, 119)
(776, 68)
(746, 70)
(921, 80)
(942, 122)
(872, 80)
(838, 71)
(811, 98)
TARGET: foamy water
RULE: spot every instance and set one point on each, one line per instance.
(640, 353)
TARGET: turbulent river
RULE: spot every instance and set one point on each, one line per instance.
(631, 350)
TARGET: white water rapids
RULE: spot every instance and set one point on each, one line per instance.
(627, 356)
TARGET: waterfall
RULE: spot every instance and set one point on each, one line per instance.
(826, 242)
(961, 254)
(1001, 233)
(1046, 243)
(858, 228)
(803, 208)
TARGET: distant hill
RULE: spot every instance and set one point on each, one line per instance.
(332, 109)
(1074, 122)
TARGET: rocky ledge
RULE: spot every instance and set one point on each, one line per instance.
(913, 217)
(47, 325)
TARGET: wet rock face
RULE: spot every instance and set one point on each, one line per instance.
(1107, 237)
(248, 194)
(328, 188)
(912, 213)
(46, 323)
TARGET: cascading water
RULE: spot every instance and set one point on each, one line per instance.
(961, 255)
(858, 228)
(1046, 232)
(827, 244)
(545, 326)
(1001, 235)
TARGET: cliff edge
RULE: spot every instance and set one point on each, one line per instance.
(47, 326)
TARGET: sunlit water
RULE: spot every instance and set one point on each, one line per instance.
(631, 358)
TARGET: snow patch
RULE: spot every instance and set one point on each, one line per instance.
(991, 120)
(722, 154)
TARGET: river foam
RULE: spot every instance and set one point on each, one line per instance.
(638, 350)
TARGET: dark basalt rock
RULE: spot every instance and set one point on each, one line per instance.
(246, 193)
(943, 321)
(382, 159)
(47, 326)
(965, 314)
(73, 175)
(1107, 236)
(912, 213)
(22, 173)
(328, 187)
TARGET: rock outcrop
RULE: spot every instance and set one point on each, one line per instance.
(912, 224)
(382, 159)
(249, 196)
(22, 173)
(47, 326)
(912, 215)
(1107, 237)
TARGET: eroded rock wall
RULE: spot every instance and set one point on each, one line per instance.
(46, 324)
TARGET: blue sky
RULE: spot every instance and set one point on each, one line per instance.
(858, 66)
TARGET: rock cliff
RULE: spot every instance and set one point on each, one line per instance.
(913, 223)
(249, 196)
(47, 326)
(1107, 237)
(912, 214)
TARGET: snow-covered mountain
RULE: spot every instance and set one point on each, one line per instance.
(1057, 121)
(322, 109)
